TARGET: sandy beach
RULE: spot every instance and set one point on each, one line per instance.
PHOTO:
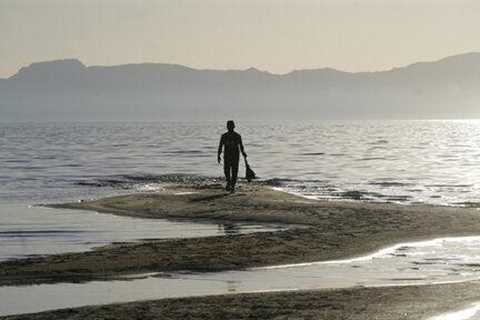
(319, 231)
(407, 303)
(229, 159)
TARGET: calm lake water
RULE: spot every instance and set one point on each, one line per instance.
(401, 161)
(436, 162)
(406, 162)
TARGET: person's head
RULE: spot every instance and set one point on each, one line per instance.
(230, 125)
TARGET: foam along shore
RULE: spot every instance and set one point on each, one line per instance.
(329, 231)
(388, 251)
(464, 314)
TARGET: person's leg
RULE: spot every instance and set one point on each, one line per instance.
(234, 174)
(226, 171)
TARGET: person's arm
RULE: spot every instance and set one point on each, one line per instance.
(220, 147)
(241, 146)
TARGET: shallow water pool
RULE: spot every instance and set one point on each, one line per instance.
(445, 260)
(27, 230)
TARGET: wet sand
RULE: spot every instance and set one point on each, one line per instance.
(406, 303)
(330, 230)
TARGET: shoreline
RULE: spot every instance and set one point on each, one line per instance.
(406, 303)
(319, 231)
(108, 293)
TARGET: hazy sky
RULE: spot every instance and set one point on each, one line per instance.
(272, 35)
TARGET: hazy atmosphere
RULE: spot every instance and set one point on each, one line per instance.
(239, 159)
(277, 36)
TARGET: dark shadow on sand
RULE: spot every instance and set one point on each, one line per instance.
(210, 198)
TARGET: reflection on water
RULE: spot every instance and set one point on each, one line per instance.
(445, 260)
(28, 231)
(398, 161)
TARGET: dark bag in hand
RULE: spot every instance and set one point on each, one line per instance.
(249, 174)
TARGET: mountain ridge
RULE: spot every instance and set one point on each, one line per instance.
(78, 62)
(65, 89)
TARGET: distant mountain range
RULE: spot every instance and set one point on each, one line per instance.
(68, 90)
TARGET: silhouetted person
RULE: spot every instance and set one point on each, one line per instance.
(232, 143)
